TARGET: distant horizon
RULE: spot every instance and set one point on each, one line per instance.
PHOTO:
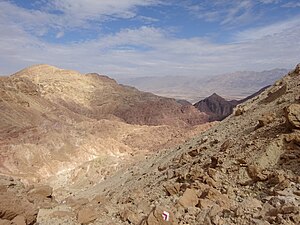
(143, 77)
(133, 38)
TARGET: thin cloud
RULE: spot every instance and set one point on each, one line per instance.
(291, 5)
(60, 15)
(78, 12)
(224, 12)
(269, 30)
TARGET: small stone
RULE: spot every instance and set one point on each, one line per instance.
(281, 186)
(226, 145)
(172, 189)
(243, 176)
(170, 174)
(193, 153)
(293, 137)
(260, 222)
(256, 174)
(162, 167)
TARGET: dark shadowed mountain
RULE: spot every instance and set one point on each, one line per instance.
(216, 107)
(219, 108)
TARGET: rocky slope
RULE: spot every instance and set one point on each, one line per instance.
(97, 97)
(219, 108)
(53, 120)
(245, 170)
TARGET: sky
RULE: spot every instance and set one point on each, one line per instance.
(136, 38)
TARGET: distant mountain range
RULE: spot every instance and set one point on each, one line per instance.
(237, 85)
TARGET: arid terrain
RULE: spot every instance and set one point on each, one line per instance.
(81, 149)
(53, 120)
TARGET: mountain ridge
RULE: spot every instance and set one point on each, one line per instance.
(236, 85)
(53, 120)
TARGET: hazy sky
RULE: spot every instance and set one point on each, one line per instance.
(150, 37)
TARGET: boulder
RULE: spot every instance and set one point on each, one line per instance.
(265, 120)
(292, 115)
(128, 215)
(189, 198)
(156, 217)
